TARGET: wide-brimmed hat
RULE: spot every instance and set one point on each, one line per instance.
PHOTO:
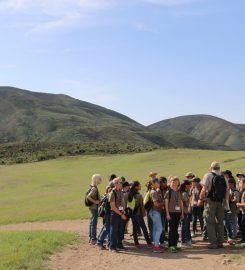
(215, 164)
(190, 174)
(240, 174)
(152, 174)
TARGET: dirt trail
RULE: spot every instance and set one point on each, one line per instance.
(86, 257)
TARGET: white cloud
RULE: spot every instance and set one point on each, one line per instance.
(46, 15)
(170, 2)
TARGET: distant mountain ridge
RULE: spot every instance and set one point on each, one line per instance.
(31, 117)
(38, 117)
(204, 128)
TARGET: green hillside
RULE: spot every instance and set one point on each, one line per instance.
(202, 129)
(37, 117)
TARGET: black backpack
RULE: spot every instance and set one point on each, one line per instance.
(87, 202)
(218, 188)
(104, 207)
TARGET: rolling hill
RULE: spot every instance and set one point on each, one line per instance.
(31, 117)
(201, 129)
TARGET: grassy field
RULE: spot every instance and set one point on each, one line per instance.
(29, 250)
(54, 190)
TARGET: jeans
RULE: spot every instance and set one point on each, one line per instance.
(116, 231)
(197, 213)
(185, 229)
(105, 232)
(173, 235)
(93, 224)
(157, 226)
(138, 222)
(230, 225)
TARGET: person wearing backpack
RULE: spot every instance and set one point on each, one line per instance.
(105, 213)
(214, 184)
(135, 203)
(92, 200)
(174, 211)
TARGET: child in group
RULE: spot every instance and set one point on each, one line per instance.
(135, 203)
(242, 207)
(174, 212)
(197, 210)
(155, 214)
(148, 206)
(185, 223)
(231, 214)
(94, 198)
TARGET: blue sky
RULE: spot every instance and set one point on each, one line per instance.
(148, 59)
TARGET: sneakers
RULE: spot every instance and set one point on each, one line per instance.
(230, 242)
(150, 246)
(172, 249)
(157, 249)
(212, 246)
(193, 234)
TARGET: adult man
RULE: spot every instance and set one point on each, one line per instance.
(215, 187)
(117, 204)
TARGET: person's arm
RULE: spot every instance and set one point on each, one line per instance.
(202, 195)
(89, 197)
(182, 209)
(167, 209)
(241, 204)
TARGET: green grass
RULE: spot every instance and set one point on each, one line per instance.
(30, 250)
(53, 190)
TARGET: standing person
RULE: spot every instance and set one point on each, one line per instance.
(105, 231)
(148, 205)
(231, 215)
(174, 212)
(240, 177)
(215, 186)
(94, 198)
(155, 214)
(197, 211)
(117, 204)
(242, 207)
(185, 224)
(164, 188)
(135, 203)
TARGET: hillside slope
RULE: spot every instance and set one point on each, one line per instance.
(38, 117)
(206, 129)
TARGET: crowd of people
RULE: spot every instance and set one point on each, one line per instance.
(172, 207)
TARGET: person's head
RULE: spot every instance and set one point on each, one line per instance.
(125, 186)
(189, 175)
(123, 179)
(240, 176)
(185, 186)
(148, 186)
(117, 182)
(155, 183)
(153, 175)
(215, 167)
(242, 184)
(163, 182)
(196, 182)
(232, 183)
(96, 180)
(227, 174)
(175, 182)
(113, 176)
